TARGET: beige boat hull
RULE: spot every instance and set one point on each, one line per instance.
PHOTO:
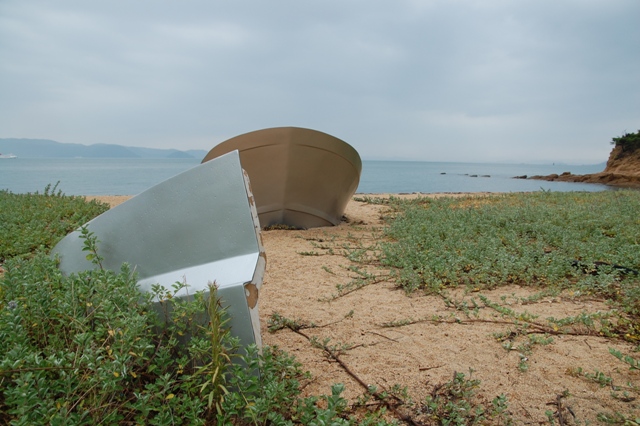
(299, 177)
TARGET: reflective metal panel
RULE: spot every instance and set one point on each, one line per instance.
(198, 227)
(300, 177)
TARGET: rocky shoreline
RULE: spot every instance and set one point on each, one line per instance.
(604, 178)
(622, 169)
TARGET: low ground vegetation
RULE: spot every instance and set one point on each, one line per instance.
(560, 246)
(530, 279)
(89, 348)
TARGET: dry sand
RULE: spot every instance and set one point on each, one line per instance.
(305, 266)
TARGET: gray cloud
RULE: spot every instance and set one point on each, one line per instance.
(491, 80)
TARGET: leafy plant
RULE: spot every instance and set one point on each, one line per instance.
(586, 242)
(91, 348)
(32, 222)
(633, 363)
(455, 403)
(628, 141)
(219, 338)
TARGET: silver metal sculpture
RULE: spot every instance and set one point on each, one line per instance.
(300, 177)
(198, 227)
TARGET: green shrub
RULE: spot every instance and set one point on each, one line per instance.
(86, 348)
(584, 241)
(90, 348)
(628, 141)
(37, 221)
(456, 403)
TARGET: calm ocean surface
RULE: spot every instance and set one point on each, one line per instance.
(88, 176)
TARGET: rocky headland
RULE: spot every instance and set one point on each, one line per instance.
(622, 169)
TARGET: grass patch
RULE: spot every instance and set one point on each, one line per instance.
(563, 245)
(89, 348)
(32, 222)
(586, 242)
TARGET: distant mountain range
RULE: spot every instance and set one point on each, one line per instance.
(44, 148)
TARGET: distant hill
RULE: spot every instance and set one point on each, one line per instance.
(45, 148)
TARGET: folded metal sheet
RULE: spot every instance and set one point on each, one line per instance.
(198, 227)
(300, 177)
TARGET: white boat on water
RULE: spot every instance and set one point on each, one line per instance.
(8, 156)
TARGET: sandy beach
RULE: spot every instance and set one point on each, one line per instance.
(304, 268)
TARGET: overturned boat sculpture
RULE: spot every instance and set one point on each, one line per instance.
(198, 227)
(300, 177)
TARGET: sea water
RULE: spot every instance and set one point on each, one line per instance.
(437, 177)
(109, 176)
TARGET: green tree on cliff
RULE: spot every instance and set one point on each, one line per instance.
(628, 141)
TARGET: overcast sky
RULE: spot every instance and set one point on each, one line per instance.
(434, 80)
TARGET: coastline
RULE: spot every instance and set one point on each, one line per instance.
(610, 179)
(622, 168)
(114, 200)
